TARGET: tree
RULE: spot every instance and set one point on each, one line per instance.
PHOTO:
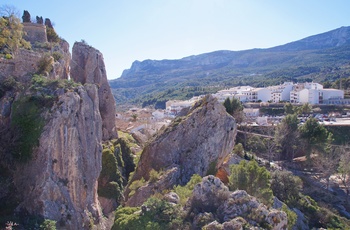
(305, 109)
(39, 20)
(11, 35)
(235, 108)
(228, 106)
(252, 178)
(8, 10)
(327, 162)
(110, 181)
(271, 147)
(239, 150)
(314, 136)
(344, 169)
(287, 137)
(289, 108)
(48, 23)
(286, 186)
(26, 16)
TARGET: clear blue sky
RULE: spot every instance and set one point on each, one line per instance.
(129, 30)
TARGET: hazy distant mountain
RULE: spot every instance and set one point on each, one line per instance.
(320, 57)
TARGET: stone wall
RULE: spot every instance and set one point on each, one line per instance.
(34, 32)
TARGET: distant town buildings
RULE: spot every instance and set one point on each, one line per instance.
(296, 93)
(312, 93)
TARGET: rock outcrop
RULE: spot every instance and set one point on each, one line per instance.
(52, 131)
(196, 143)
(26, 62)
(61, 67)
(215, 207)
(60, 182)
(87, 66)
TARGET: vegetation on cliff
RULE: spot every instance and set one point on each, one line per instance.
(11, 35)
(27, 121)
(117, 164)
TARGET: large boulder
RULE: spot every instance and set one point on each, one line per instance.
(87, 66)
(232, 209)
(196, 143)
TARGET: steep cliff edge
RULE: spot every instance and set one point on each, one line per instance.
(60, 182)
(52, 132)
(87, 66)
(196, 143)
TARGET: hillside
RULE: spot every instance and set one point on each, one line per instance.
(322, 57)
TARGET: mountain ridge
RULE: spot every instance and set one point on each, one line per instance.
(300, 60)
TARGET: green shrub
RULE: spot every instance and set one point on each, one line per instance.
(157, 214)
(212, 168)
(127, 156)
(48, 225)
(45, 64)
(184, 192)
(43, 45)
(110, 181)
(153, 176)
(252, 178)
(110, 190)
(27, 121)
(57, 56)
(46, 86)
(286, 186)
(291, 216)
(307, 205)
(118, 155)
(239, 150)
(8, 56)
(7, 84)
(136, 185)
(52, 35)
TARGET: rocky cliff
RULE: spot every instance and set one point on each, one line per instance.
(87, 66)
(196, 143)
(60, 182)
(28, 62)
(52, 132)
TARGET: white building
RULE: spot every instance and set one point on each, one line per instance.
(309, 92)
(281, 92)
(250, 94)
(314, 93)
(173, 107)
(236, 92)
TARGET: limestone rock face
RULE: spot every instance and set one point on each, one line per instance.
(60, 182)
(61, 67)
(208, 194)
(193, 144)
(87, 66)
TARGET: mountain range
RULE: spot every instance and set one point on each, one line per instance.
(322, 57)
